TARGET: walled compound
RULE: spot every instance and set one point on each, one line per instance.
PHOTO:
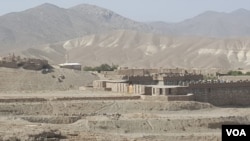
(222, 93)
(180, 85)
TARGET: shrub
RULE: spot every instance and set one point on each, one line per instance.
(102, 67)
(235, 73)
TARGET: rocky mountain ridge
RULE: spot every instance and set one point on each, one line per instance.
(92, 35)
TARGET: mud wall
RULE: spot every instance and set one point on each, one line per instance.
(143, 80)
(140, 72)
(222, 94)
(181, 79)
(118, 87)
(30, 63)
(169, 98)
(189, 97)
(30, 100)
(9, 64)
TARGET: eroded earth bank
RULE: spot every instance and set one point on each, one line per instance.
(59, 118)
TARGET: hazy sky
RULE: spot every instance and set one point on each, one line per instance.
(140, 10)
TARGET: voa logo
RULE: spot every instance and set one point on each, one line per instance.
(236, 132)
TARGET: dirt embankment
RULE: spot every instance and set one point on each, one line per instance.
(116, 120)
(85, 107)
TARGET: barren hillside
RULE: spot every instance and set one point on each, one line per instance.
(48, 23)
(137, 49)
(210, 24)
(21, 80)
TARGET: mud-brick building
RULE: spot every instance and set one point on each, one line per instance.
(169, 93)
(157, 90)
(9, 64)
(136, 89)
(118, 86)
(13, 61)
(221, 94)
(181, 79)
(136, 72)
(142, 80)
(35, 64)
(99, 84)
(10, 61)
(111, 85)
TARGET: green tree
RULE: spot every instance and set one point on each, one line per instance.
(235, 73)
(102, 67)
(87, 68)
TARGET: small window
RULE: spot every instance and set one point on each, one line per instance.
(169, 91)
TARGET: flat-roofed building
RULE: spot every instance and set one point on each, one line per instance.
(156, 90)
(74, 66)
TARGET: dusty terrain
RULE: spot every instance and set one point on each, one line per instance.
(71, 115)
(36, 106)
(28, 81)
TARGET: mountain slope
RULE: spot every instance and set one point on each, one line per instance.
(48, 23)
(211, 24)
(42, 24)
(138, 49)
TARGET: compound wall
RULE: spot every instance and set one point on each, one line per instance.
(222, 94)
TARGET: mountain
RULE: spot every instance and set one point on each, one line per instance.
(138, 49)
(43, 24)
(92, 35)
(211, 24)
(48, 23)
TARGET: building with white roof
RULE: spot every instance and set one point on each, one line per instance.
(75, 66)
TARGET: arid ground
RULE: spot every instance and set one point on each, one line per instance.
(48, 106)
(36, 106)
(76, 115)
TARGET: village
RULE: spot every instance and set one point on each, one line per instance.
(68, 101)
(176, 85)
(124, 70)
(156, 84)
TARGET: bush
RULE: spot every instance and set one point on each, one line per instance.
(235, 73)
(86, 68)
(102, 67)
